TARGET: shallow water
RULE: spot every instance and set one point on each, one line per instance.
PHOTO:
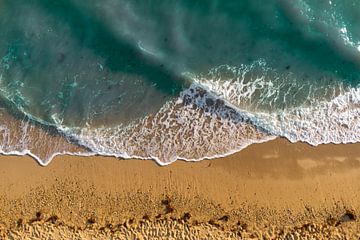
(171, 80)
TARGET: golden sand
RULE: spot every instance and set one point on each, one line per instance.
(269, 190)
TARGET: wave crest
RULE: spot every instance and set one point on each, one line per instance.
(196, 126)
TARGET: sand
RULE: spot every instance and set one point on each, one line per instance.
(270, 190)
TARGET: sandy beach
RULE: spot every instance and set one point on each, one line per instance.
(270, 190)
(270, 89)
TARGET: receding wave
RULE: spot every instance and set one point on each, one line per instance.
(123, 79)
(228, 109)
(325, 111)
(222, 112)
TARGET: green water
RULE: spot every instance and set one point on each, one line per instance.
(109, 63)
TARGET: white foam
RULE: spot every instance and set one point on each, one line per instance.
(328, 114)
(24, 137)
(335, 121)
(221, 113)
(196, 126)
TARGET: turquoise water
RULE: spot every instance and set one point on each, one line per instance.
(182, 79)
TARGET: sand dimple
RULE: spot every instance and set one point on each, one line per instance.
(174, 229)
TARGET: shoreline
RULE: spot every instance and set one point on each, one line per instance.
(272, 185)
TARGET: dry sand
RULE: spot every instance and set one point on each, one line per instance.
(270, 190)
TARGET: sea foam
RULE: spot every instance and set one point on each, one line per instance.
(137, 83)
(225, 113)
(196, 126)
(305, 110)
(222, 112)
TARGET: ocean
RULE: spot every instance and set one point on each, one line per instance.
(176, 79)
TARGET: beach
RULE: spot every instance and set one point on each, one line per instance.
(270, 190)
(126, 119)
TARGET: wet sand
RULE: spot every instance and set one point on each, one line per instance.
(272, 190)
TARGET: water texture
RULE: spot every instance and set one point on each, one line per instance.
(184, 79)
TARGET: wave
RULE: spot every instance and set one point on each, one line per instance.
(316, 112)
(200, 83)
(222, 112)
(229, 110)
(196, 126)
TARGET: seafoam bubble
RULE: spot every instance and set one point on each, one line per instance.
(311, 111)
(25, 137)
(195, 126)
(334, 121)
(257, 87)
(229, 108)
(207, 120)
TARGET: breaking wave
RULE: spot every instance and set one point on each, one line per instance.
(123, 79)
